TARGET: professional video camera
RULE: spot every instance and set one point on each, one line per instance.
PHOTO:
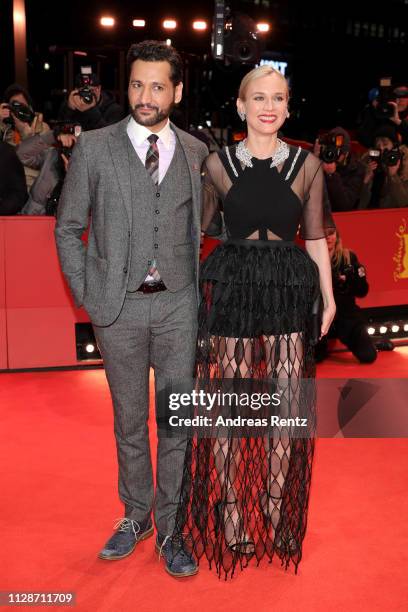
(330, 147)
(388, 157)
(21, 111)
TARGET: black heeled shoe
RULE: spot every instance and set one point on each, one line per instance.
(285, 544)
(245, 547)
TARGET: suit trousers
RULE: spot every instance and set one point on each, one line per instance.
(155, 330)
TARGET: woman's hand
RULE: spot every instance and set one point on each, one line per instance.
(328, 316)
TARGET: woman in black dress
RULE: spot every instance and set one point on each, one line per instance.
(247, 497)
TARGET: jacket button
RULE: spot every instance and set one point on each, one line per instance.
(156, 229)
(157, 212)
(156, 246)
(158, 194)
(125, 270)
(149, 262)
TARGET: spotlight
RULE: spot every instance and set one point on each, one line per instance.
(371, 331)
(395, 328)
(107, 22)
(406, 327)
(383, 329)
(90, 348)
(169, 24)
(168, 42)
(46, 66)
(139, 23)
(199, 25)
(263, 27)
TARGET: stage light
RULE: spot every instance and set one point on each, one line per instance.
(81, 53)
(199, 25)
(90, 348)
(107, 22)
(371, 331)
(169, 24)
(263, 27)
(395, 328)
(168, 42)
(139, 23)
(406, 327)
(383, 329)
(46, 66)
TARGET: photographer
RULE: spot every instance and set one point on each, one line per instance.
(50, 152)
(387, 107)
(344, 173)
(386, 178)
(89, 106)
(349, 325)
(18, 121)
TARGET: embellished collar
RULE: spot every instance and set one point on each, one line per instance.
(245, 156)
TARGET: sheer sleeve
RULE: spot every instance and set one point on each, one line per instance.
(212, 222)
(317, 221)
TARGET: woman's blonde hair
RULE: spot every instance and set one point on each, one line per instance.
(340, 252)
(257, 73)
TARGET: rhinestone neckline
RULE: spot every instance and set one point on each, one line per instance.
(245, 156)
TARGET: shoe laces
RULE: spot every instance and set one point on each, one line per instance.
(123, 524)
(178, 538)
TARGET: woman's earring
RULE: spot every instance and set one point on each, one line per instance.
(241, 115)
(287, 114)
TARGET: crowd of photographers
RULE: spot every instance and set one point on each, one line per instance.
(368, 172)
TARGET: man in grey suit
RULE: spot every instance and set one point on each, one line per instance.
(137, 185)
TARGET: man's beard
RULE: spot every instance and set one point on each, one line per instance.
(158, 116)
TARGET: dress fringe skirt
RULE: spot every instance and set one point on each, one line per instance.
(246, 498)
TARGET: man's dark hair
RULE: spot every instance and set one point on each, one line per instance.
(157, 51)
(13, 90)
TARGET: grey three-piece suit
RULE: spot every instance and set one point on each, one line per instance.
(132, 222)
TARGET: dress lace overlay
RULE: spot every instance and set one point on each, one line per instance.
(246, 498)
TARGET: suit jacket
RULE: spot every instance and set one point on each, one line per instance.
(97, 194)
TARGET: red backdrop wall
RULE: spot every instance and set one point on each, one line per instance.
(37, 314)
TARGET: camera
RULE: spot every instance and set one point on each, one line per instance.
(21, 111)
(330, 147)
(84, 91)
(389, 157)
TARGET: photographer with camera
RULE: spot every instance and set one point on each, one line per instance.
(50, 153)
(386, 178)
(349, 325)
(343, 172)
(388, 106)
(18, 121)
(89, 106)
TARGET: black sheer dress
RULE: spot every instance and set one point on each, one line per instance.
(247, 498)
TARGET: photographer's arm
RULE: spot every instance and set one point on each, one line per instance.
(72, 220)
(357, 282)
(31, 151)
(344, 192)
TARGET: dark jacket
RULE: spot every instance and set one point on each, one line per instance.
(13, 190)
(369, 123)
(345, 292)
(106, 112)
(344, 186)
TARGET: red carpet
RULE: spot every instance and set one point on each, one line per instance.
(59, 502)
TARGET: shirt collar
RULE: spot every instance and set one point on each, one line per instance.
(140, 133)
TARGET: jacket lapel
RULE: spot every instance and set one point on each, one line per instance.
(118, 144)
